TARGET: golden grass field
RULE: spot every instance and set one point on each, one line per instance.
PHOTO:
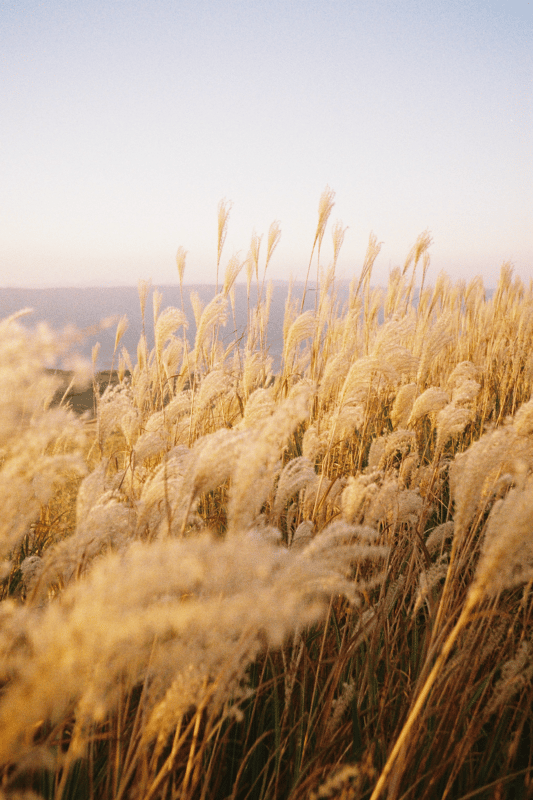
(239, 585)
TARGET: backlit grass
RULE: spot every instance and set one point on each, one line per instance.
(236, 582)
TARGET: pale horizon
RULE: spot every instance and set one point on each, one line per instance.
(125, 125)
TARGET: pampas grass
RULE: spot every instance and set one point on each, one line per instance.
(235, 584)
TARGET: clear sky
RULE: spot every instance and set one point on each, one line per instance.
(123, 123)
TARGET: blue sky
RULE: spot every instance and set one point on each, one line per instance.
(124, 123)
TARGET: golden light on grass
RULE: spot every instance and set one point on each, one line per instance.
(239, 584)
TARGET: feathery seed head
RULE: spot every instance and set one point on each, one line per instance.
(274, 235)
(311, 443)
(401, 441)
(322, 497)
(451, 421)
(403, 405)
(260, 406)
(31, 569)
(302, 328)
(438, 536)
(429, 578)
(94, 354)
(143, 288)
(507, 552)
(430, 401)
(215, 313)
(296, 475)
(463, 372)
(475, 474)
(121, 330)
(142, 353)
(383, 504)
(255, 469)
(376, 454)
(466, 392)
(419, 249)
(181, 255)
(342, 424)
(325, 207)
(224, 208)
(523, 419)
(157, 299)
(335, 371)
(255, 245)
(365, 373)
(371, 254)
(356, 495)
(408, 469)
(435, 341)
(232, 271)
(515, 676)
(169, 321)
(302, 535)
(151, 444)
(338, 234)
(117, 411)
(213, 385)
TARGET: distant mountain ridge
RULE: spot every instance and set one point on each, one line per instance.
(85, 308)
